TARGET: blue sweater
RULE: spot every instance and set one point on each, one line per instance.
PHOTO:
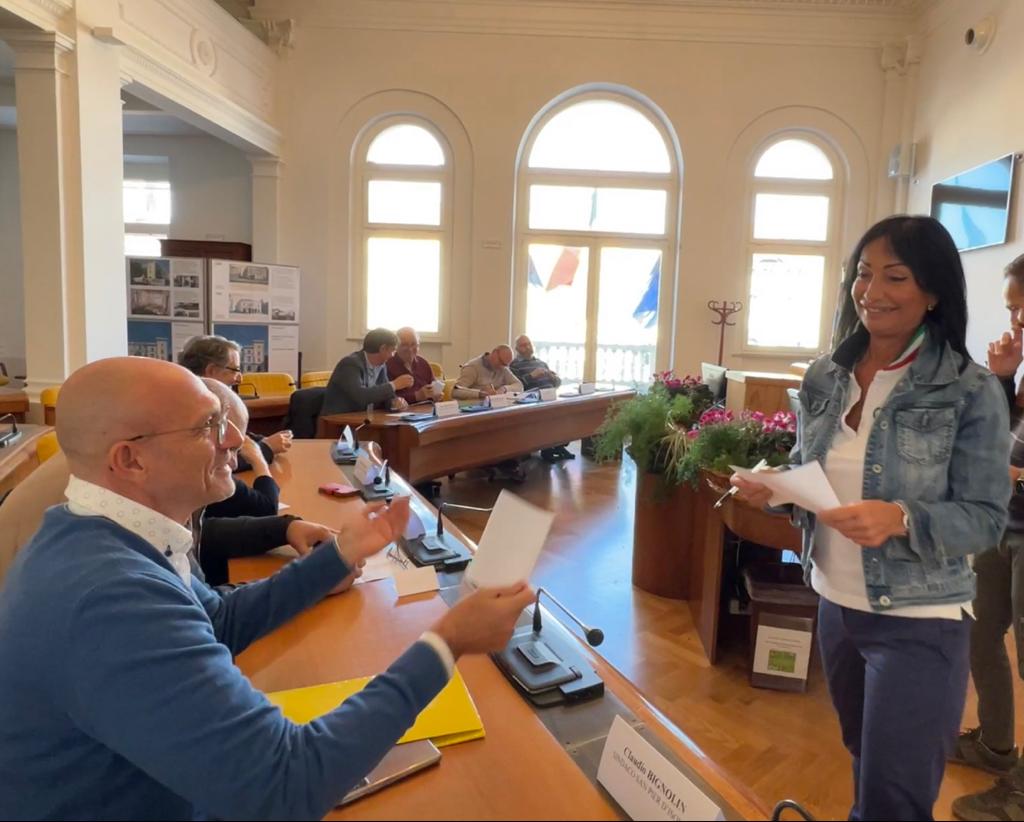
(119, 698)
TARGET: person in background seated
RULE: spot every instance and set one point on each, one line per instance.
(262, 497)
(221, 359)
(361, 380)
(999, 604)
(914, 439)
(119, 696)
(407, 360)
(486, 375)
(535, 374)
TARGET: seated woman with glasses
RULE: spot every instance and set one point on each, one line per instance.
(221, 359)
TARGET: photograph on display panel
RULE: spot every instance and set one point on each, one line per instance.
(254, 342)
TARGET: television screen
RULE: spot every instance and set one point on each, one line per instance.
(974, 205)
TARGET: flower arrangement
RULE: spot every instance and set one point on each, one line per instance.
(647, 425)
(719, 440)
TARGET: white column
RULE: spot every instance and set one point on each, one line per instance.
(41, 76)
(70, 161)
(266, 187)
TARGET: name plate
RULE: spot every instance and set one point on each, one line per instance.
(548, 394)
(501, 400)
(365, 471)
(587, 388)
(645, 783)
(450, 408)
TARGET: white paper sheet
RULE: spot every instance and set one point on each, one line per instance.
(511, 542)
(806, 486)
(415, 580)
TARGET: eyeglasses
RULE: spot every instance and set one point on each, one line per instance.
(231, 368)
(396, 556)
(219, 427)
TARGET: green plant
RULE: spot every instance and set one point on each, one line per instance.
(718, 441)
(648, 426)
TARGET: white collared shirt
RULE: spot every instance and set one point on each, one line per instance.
(171, 539)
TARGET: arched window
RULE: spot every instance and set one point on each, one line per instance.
(793, 238)
(596, 215)
(403, 199)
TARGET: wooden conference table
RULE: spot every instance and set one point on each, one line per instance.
(526, 766)
(19, 459)
(423, 450)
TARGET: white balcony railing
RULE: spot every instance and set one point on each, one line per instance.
(625, 365)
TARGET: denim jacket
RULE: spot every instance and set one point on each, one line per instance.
(940, 446)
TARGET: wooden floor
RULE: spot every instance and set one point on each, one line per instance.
(782, 745)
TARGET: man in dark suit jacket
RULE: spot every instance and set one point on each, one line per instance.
(361, 378)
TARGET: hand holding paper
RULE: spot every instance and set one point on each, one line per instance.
(869, 523)
(805, 485)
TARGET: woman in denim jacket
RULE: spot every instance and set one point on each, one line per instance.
(913, 437)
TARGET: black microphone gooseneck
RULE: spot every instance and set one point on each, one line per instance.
(595, 636)
(444, 505)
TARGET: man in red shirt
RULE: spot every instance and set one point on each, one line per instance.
(407, 360)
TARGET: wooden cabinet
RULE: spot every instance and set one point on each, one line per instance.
(758, 391)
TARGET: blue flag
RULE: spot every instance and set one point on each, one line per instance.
(646, 311)
(533, 277)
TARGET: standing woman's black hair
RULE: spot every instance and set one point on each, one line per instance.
(925, 247)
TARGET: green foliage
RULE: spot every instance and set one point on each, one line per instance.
(644, 426)
(738, 442)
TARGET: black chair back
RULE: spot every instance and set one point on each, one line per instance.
(303, 411)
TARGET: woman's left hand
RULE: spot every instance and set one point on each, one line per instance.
(868, 523)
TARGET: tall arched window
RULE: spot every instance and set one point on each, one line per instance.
(597, 209)
(793, 238)
(404, 202)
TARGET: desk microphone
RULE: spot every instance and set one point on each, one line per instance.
(13, 434)
(595, 636)
(441, 508)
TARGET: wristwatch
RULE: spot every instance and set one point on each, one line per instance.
(906, 515)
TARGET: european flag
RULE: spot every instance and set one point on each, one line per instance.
(533, 277)
(646, 312)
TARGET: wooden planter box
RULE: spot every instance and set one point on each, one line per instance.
(663, 535)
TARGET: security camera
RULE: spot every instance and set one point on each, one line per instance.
(979, 36)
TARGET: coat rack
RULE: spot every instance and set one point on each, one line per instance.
(724, 310)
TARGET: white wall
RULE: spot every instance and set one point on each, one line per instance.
(494, 83)
(211, 186)
(968, 112)
(12, 319)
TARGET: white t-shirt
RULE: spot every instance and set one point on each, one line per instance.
(837, 570)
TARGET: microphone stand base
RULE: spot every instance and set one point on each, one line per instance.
(548, 668)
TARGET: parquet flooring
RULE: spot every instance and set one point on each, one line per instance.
(782, 745)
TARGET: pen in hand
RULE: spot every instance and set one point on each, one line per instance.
(732, 491)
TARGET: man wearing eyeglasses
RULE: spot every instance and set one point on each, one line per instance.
(118, 694)
(220, 359)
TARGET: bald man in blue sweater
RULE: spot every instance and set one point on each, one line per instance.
(118, 695)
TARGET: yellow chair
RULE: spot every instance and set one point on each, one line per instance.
(437, 369)
(46, 446)
(48, 398)
(315, 379)
(269, 384)
(449, 386)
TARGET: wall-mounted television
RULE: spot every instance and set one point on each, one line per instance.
(974, 205)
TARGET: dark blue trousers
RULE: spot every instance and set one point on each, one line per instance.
(898, 685)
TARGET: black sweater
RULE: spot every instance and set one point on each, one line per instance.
(259, 501)
(221, 539)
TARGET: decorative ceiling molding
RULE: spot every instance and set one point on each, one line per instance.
(44, 14)
(830, 23)
(179, 87)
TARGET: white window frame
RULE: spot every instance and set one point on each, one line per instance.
(829, 248)
(666, 242)
(364, 230)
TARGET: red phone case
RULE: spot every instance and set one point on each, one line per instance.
(337, 489)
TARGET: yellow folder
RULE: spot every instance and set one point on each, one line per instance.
(450, 718)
